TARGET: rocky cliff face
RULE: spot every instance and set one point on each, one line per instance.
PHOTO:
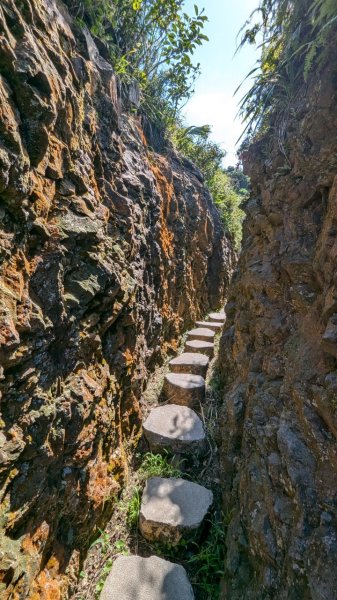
(108, 251)
(279, 352)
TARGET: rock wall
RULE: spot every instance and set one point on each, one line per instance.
(108, 251)
(279, 351)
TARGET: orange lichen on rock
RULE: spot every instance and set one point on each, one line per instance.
(32, 543)
(101, 485)
(166, 189)
(48, 584)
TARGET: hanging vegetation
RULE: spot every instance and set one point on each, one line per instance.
(151, 42)
(292, 36)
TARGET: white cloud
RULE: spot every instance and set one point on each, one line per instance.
(217, 109)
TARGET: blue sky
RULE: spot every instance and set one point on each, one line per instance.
(221, 72)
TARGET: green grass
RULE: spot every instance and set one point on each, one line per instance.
(133, 508)
(119, 547)
(103, 575)
(157, 465)
(207, 564)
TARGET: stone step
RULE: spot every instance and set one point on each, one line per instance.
(137, 578)
(214, 325)
(184, 389)
(201, 333)
(219, 316)
(200, 347)
(190, 362)
(176, 429)
(173, 509)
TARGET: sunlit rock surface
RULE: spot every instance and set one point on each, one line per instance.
(108, 251)
(279, 454)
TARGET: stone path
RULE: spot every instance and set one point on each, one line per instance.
(201, 333)
(190, 362)
(199, 346)
(214, 325)
(172, 509)
(184, 389)
(136, 578)
(220, 316)
(176, 429)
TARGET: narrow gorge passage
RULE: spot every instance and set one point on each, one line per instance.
(176, 516)
(149, 445)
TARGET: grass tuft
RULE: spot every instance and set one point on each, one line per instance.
(157, 465)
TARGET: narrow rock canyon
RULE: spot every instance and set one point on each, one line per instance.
(111, 250)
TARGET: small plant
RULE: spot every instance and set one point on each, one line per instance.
(216, 383)
(208, 562)
(121, 547)
(103, 541)
(132, 508)
(156, 465)
(103, 575)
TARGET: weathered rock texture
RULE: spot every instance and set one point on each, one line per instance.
(108, 251)
(279, 350)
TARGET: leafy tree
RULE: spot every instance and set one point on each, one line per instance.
(229, 200)
(229, 188)
(239, 180)
(195, 143)
(151, 42)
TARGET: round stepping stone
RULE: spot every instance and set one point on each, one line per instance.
(214, 325)
(173, 509)
(190, 362)
(199, 346)
(176, 429)
(202, 333)
(220, 316)
(184, 389)
(137, 578)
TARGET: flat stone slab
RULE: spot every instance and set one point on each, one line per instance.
(220, 316)
(199, 346)
(137, 578)
(184, 389)
(190, 362)
(176, 429)
(214, 325)
(173, 509)
(201, 333)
